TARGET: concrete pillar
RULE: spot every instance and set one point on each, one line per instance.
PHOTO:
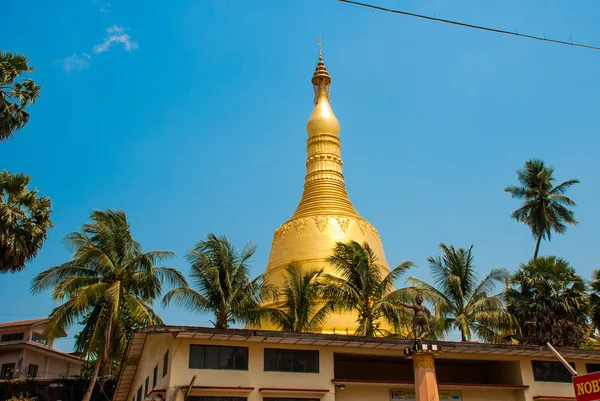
(426, 387)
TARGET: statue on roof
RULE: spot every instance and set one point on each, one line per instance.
(421, 318)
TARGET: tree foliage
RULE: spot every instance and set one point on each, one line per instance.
(220, 275)
(16, 93)
(361, 284)
(463, 302)
(299, 306)
(109, 284)
(550, 303)
(545, 206)
(24, 221)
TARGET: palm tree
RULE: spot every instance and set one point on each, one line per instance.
(545, 207)
(15, 94)
(360, 284)
(109, 285)
(550, 302)
(220, 275)
(24, 221)
(467, 305)
(300, 306)
(595, 300)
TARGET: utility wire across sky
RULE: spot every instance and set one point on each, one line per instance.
(483, 28)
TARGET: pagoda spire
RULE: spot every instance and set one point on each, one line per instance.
(324, 187)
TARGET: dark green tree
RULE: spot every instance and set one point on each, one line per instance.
(220, 275)
(299, 306)
(16, 93)
(109, 284)
(471, 306)
(545, 207)
(550, 303)
(24, 221)
(362, 284)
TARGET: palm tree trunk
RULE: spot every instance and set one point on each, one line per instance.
(462, 336)
(537, 247)
(107, 346)
(90, 390)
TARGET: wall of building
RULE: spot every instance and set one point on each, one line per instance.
(255, 376)
(12, 356)
(154, 350)
(510, 370)
(539, 388)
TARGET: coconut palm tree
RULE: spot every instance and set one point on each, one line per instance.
(222, 286)
(545, 206)
(595, 300)
(360, 284)
(16, 93)
(299, 306)
(470, 306)
(24, 221)
(109, 284)
(550, 302)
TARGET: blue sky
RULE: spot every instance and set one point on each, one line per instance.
(191, 117)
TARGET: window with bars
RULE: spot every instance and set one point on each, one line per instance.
(592, 367)
(154, 376)
(12, 337)
(7, 370)
(38, 338)
(146, 384)
(139, 394)
(165, 363)
(218, 357)
(287, 360)
(32, 371)
(545, 371)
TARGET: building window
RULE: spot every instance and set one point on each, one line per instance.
(146, 387)
(154, 376)
(290, 399)
(165, 363)
(592, 367)
(35, 337)
(287, 360)
(215, 357)
(205, 398)
(12, 337)
(32, 371)
(139, 394)
(7, 371)
(544, 371)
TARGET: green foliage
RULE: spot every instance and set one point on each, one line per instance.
(360, 285)
(550, 303)
(465, 304)
(24, 221)
(595, 300)
(16, 93)
(545, 207)
(22, 397)
(109, 285)
(299, 305)
(220, 276)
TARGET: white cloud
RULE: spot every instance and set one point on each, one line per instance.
(105, 10)
(76, 62)
(116, 35)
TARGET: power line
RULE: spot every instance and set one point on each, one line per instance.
(483, 28)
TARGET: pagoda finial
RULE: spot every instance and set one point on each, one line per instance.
(321, 80)
(320, 49)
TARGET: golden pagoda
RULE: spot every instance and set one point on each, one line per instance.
(325, 214)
